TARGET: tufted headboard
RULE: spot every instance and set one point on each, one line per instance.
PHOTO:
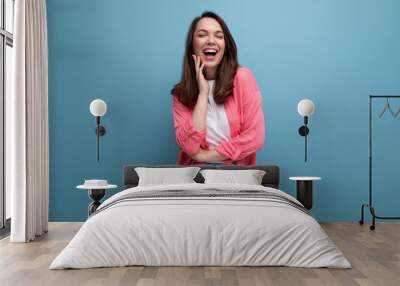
(271, 177)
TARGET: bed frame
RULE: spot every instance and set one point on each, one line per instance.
(270, 179)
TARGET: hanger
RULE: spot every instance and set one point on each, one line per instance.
(387, 107)
(397, 113)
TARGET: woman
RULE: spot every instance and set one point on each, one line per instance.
(218, 115)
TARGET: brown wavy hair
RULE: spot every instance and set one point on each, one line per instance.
(187, 89)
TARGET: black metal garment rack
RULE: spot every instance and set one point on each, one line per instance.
(370, 205)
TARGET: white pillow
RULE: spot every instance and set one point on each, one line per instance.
(249, 177)
(162, 176)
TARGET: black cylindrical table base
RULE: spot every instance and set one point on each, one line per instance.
(305, 193)
(96, 195)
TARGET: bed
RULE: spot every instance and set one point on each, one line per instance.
(201, 224)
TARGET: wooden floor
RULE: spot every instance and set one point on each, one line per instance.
(375, 257)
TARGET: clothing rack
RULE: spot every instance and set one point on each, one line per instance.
(370, 202)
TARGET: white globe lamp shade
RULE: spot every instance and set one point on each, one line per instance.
(305, 107)
(98, 107)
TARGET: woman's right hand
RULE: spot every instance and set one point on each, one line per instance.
(201, 81)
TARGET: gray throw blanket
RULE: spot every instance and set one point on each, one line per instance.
(203, 194)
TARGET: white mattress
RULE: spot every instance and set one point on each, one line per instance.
(200, 231)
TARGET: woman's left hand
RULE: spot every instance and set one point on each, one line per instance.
(200, 156)
(209, 156)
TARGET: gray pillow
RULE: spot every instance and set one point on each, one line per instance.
(249, 177)
(162, 176)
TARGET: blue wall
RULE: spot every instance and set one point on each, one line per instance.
(129, 53)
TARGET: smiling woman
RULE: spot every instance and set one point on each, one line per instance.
(218, 115)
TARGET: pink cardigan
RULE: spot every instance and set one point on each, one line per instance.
(246, 121)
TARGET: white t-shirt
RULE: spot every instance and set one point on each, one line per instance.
(217, 122)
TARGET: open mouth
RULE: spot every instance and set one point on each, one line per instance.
(210, 53)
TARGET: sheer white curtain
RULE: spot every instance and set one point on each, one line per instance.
(27, 124)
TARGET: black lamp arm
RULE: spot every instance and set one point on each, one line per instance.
(304, 131)
(100, 131)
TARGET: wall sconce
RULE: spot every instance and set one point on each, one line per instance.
(98, 108)
(305, 108)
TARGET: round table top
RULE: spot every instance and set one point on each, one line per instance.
(305, 178)
(86, 187)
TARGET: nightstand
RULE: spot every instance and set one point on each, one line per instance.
(304, 188)
(96, 191)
